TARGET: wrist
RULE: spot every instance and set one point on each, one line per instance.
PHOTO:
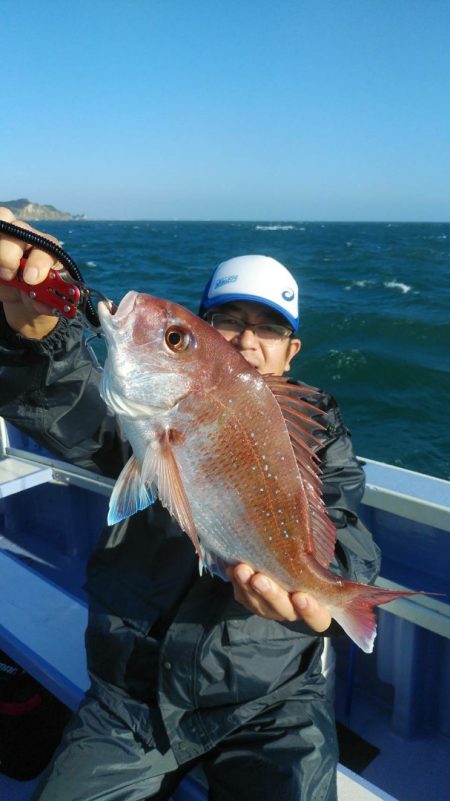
(36, 327)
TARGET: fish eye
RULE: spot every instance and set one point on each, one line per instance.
(177, 339)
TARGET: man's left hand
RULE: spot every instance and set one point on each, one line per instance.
(264, 597)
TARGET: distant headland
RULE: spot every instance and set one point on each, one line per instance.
(26, 210)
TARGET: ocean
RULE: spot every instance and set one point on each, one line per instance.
(375, 310)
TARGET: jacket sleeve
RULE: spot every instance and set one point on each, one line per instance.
(50, 391)
(357, 556)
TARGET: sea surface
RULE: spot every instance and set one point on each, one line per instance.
(375, 310)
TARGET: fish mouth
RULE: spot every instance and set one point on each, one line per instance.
(125, 307)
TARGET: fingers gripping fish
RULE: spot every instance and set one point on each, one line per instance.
(230, 454)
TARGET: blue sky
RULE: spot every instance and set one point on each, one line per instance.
(228, 109)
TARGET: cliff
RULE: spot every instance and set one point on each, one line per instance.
(26, 210)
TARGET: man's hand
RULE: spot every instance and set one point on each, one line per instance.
(28, 317)
(264, 597)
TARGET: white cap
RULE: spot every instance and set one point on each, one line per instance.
(256, 278)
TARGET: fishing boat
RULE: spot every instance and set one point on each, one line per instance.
(393, 706)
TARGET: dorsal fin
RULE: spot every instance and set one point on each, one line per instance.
(301, 421)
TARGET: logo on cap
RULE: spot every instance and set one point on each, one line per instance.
(229, 279)
(288, 294)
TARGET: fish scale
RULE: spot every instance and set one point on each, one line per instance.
(268, 509)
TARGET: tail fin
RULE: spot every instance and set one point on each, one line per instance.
(358, 618)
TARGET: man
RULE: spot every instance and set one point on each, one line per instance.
(185, 669)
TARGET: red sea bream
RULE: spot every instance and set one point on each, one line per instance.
(230, 453)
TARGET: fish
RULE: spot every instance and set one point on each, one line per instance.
(230, 453)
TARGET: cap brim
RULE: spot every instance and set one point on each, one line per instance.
(210, 303)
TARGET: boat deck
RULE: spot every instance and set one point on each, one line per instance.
(393, 705)
(415, 768)
(348, 790)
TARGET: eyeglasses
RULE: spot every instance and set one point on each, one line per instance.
(233, 325)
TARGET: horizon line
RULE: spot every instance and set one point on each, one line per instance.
(85, 218)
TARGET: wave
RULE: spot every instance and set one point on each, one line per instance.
(397, 285)
(276, 228)
(367, 282)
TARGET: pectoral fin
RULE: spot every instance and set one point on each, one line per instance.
(160, 468)
(130, 493)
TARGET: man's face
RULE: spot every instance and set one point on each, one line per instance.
(267, 355)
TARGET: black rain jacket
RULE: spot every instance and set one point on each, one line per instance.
(170, 652)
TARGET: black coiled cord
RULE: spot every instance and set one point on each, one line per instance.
(38, 241)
